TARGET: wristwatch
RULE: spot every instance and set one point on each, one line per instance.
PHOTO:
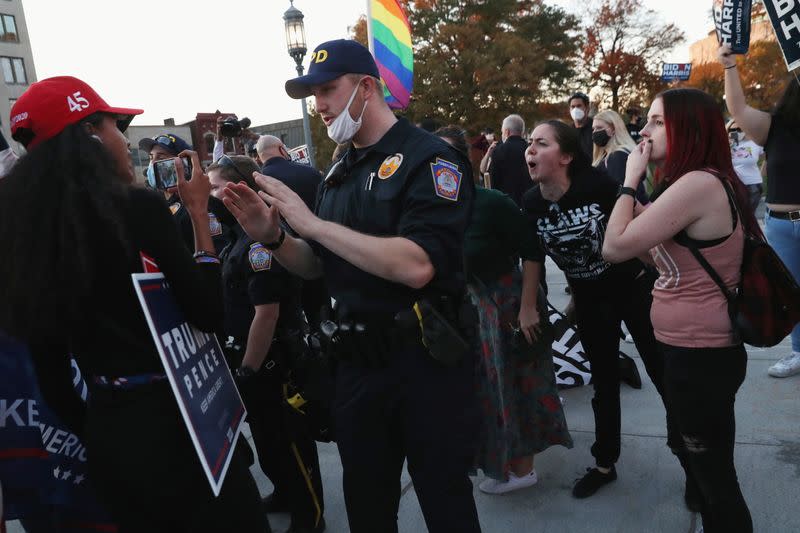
(272, 246)
(627, 190)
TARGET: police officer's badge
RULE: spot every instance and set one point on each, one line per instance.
(260, 257)
(214, 225)
(390, 166)
(446, 179)
(174, 208)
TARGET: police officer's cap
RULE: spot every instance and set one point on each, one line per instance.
(169, 141)
(331, 60)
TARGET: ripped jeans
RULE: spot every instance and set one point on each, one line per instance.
(701, 385)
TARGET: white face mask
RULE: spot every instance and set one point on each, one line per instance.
(577, 114)
(344, 128)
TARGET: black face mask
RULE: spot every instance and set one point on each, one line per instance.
(600, 138)
(218, 209)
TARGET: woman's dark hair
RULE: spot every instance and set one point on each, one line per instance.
(569, 142)
(456, 135)
(697, 140)
(60, 221)
(788, 106)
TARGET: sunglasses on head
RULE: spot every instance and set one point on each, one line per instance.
(226, 162)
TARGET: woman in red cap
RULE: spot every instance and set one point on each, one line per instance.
(74, 230)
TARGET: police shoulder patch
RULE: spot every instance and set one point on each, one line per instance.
(446, 179)
(174, 208)
(260, 258)
(390, 166)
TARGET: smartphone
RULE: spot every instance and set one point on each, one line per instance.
(166, 173)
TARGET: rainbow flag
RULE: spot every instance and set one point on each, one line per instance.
(390, 43)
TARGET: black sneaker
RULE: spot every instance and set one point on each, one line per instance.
(592, 481)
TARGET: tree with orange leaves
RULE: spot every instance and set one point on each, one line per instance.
(625, 46)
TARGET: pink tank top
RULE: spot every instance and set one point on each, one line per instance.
(689, 309)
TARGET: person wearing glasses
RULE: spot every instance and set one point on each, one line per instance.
(167, 146)
(263, 325)
(73, 195)
(387, 234)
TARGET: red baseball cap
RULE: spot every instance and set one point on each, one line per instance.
(50, 105)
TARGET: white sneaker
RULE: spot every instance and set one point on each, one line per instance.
(788, 366)
(493, 486)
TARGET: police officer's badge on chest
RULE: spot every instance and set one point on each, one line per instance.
(446, 179)
(214, 225)
(260, 257)
(390, 166)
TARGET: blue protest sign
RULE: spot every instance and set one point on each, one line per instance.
(43, 465)
(676, 71)
(785, 17)
(201, 381)
(732, 21)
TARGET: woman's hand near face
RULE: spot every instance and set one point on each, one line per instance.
(637, 163)
(194, 193)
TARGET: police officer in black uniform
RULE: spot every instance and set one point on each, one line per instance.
(263, 325)
(387, 235)
(164, 147)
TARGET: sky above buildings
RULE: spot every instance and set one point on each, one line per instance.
(179, 57)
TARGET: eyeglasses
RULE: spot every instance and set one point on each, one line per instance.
(226, 162)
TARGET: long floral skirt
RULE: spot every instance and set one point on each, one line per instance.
(518, 398)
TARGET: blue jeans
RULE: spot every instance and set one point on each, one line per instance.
(784, 237)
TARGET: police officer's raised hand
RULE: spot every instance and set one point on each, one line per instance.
(194, 192)
(260, 221)
(291, 206)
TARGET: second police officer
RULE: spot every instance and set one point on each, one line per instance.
(263, 324)
(387, 235)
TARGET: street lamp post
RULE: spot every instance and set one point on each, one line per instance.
(296, 45)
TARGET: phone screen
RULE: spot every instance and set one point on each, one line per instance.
(166, 173)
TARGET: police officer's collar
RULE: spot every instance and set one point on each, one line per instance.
(391, 139)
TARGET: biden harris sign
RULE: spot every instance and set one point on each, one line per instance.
(785, 18)
(201, 381)
(676, 71)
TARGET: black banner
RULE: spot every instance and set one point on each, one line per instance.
(785, 17)
(732, 20)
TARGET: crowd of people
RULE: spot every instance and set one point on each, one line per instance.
(414, 268)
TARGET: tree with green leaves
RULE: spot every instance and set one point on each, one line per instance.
(477, 62)
(625, 46)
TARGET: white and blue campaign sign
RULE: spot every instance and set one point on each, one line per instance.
(732, 21)
(676, 71)
(785, 17)
(201, 381)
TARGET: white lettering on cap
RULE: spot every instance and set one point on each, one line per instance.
(18, 117)
(76, 102)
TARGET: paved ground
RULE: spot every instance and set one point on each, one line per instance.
(648, 496)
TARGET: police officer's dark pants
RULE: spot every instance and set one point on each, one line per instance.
(701, 389)
(413, 409)
(287, 455)
(146, 471)
(599, 313)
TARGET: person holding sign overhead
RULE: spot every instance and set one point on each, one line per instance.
(778, 131)
(76, 229)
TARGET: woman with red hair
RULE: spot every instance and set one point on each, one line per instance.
(699, 203)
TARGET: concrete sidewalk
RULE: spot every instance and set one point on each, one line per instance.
(648, 495)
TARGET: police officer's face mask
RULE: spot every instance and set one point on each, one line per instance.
(344, 128)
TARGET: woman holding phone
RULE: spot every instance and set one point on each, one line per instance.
(76, 229)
